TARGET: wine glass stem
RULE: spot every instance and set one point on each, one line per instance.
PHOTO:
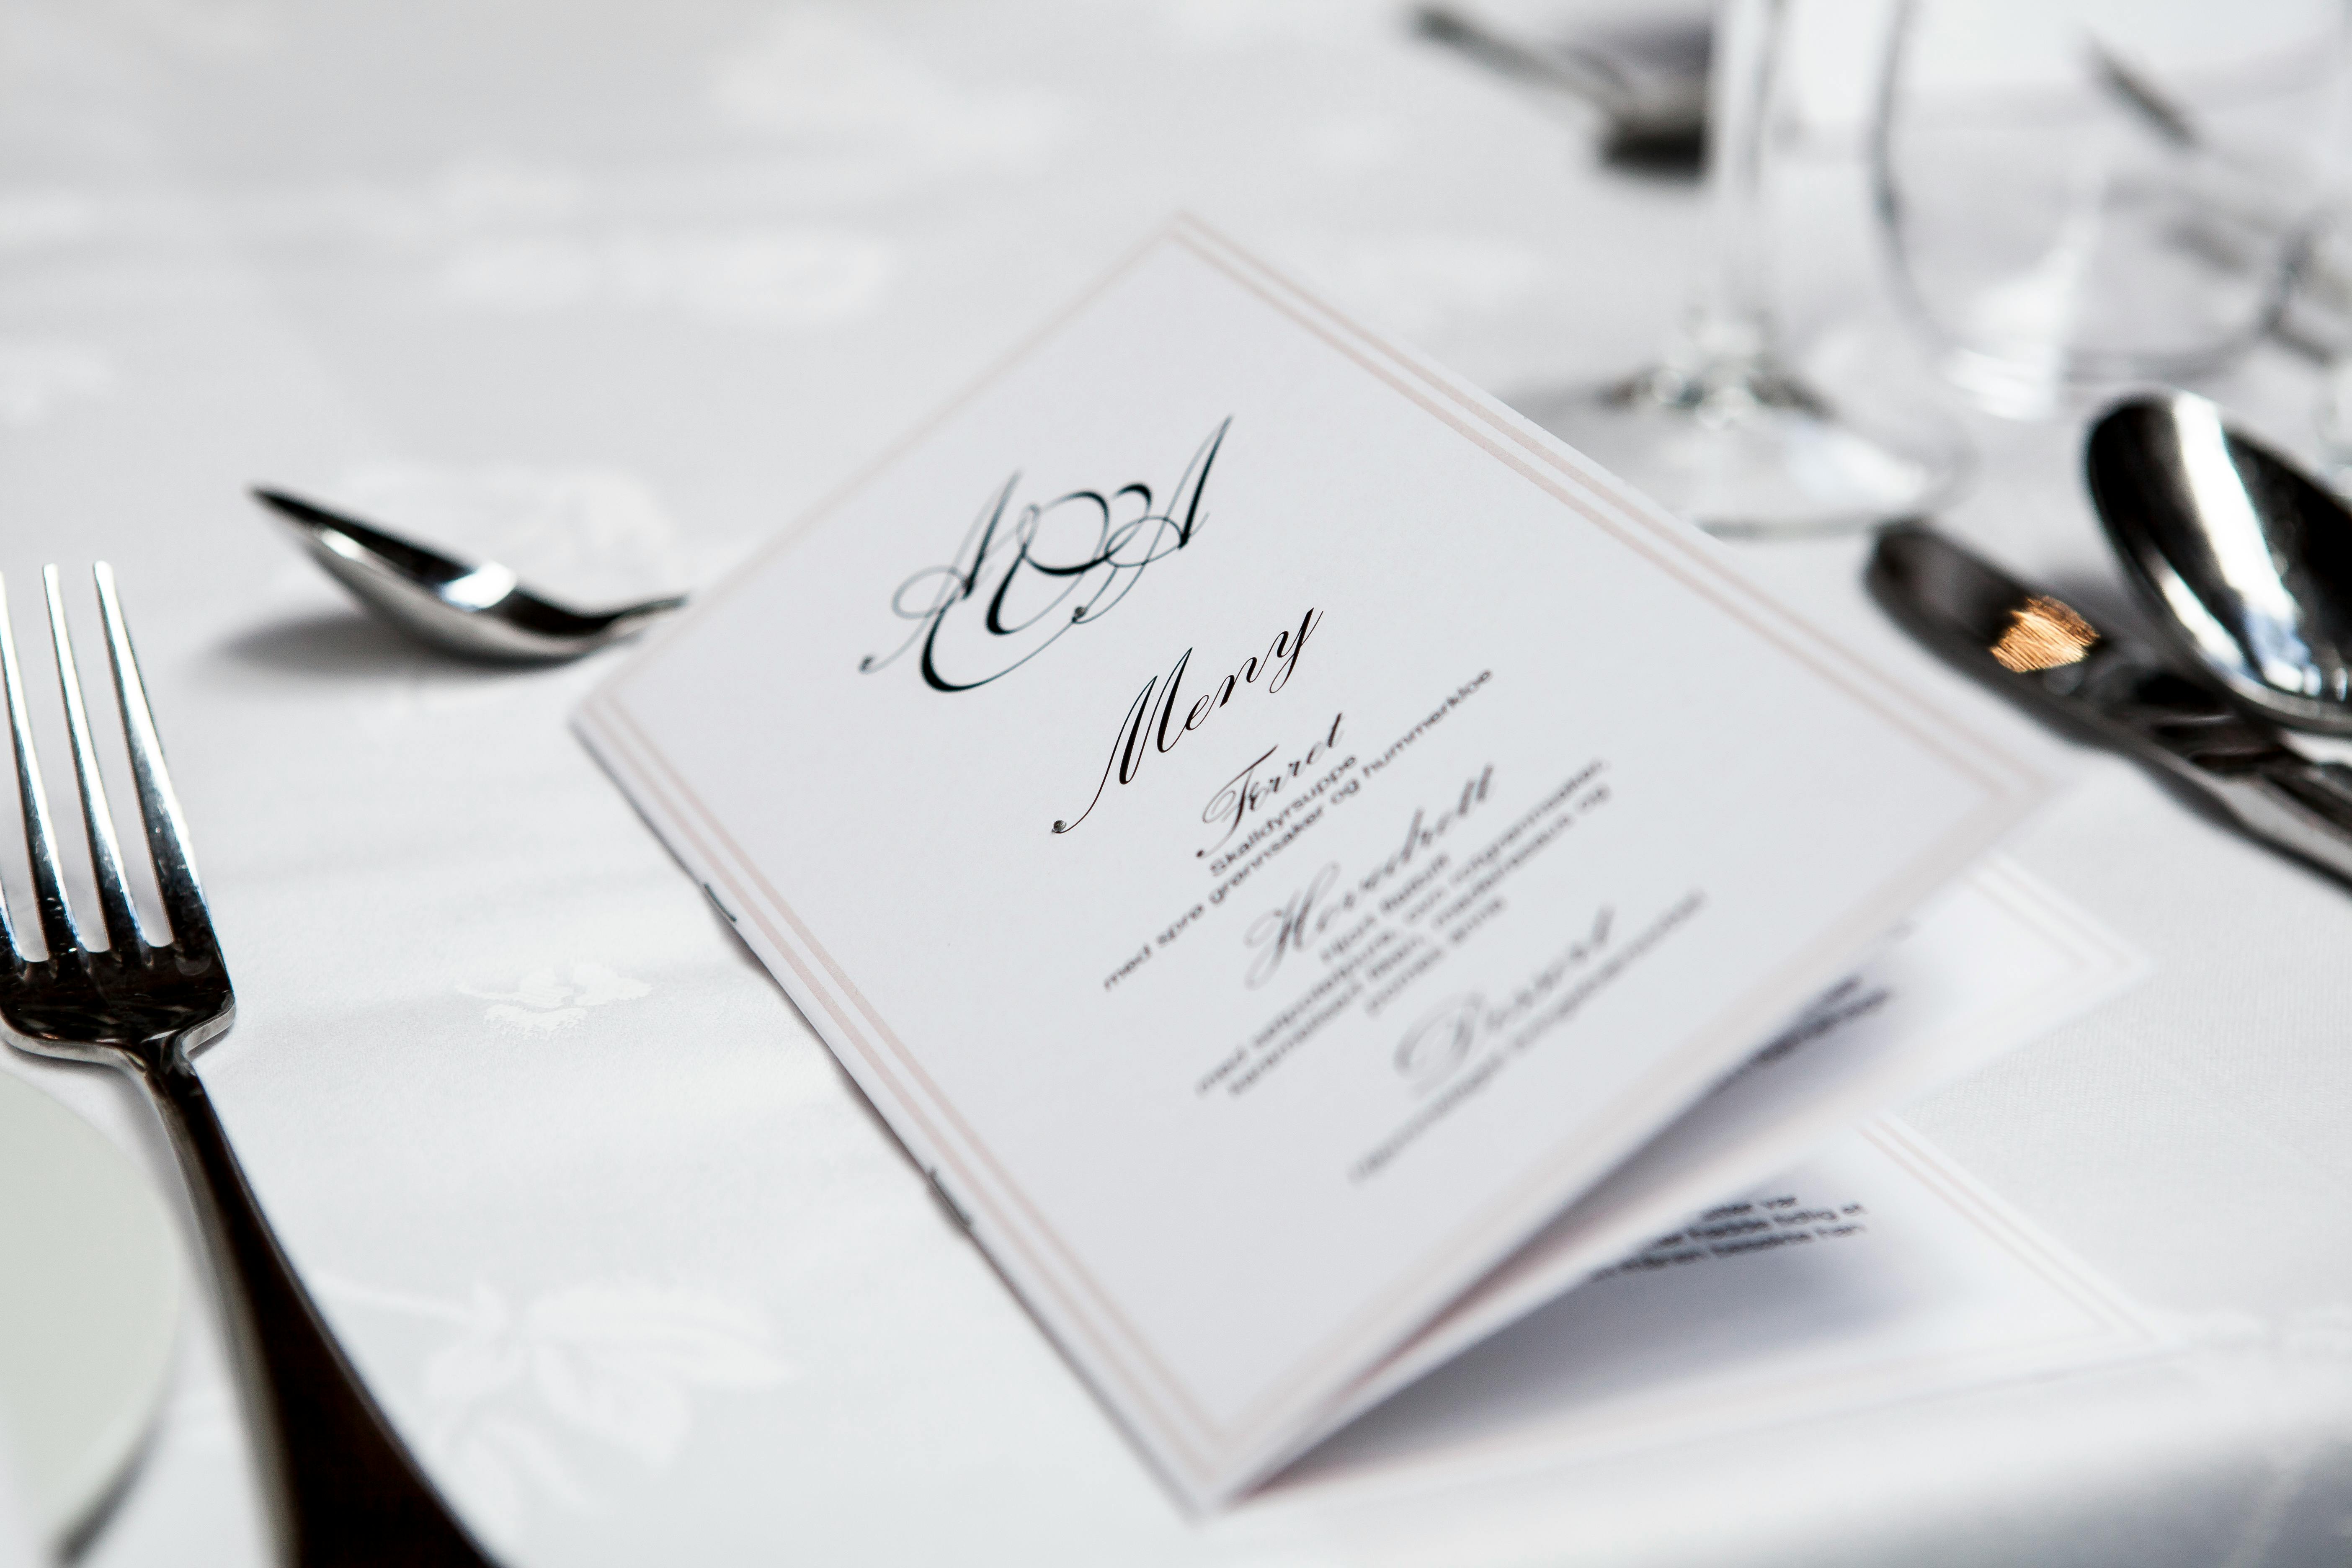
(1730, 328)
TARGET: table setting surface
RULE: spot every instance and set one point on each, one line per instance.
(613, 294)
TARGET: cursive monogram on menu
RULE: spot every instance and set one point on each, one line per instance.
(1024, 577)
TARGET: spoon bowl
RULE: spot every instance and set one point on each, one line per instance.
(2243, 559)
(478, 611)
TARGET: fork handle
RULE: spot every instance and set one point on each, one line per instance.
(346, 1492)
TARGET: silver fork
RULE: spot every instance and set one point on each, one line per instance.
(342, 1489)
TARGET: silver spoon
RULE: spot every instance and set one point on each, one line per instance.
(2245, 561)
(480, 611)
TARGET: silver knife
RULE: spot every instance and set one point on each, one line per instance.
(2049, 657)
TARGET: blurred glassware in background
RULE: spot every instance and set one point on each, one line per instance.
(1719, 429)
(1642, 77)
(2080, 195)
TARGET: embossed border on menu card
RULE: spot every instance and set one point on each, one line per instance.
(1206, 1458)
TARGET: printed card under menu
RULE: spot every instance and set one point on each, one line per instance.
(1268, 829)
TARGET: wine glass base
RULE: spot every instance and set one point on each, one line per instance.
(1754, 455)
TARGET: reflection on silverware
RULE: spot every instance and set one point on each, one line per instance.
(2043, 635)
(2046, 656)
(480, 611)
(1647, 81)
(2245, 561)
(342, 1489)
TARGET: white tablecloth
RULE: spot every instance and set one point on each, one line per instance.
(615, 291)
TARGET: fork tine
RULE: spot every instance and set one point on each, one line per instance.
(105, 855)
(57, 931)
(167, 830)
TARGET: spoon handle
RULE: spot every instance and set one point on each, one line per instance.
(2107, 689)
(2303, 807)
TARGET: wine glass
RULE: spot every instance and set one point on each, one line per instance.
(2082, 195)
(1718, 428)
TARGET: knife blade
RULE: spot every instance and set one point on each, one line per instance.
(2050, 659)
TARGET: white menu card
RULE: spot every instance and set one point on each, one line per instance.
(1269, 829)
(1876, 1271)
